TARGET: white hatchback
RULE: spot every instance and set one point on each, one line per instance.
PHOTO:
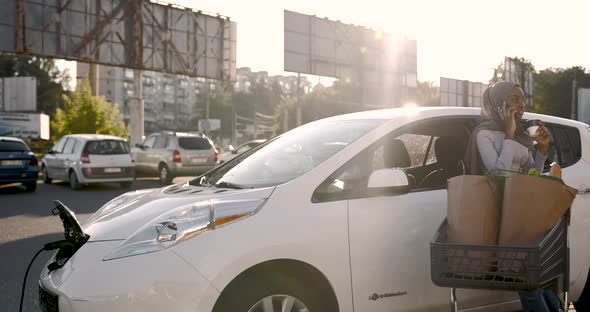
(89, 158)
(313, 220)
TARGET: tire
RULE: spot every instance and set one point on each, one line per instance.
(74, 183)
(272, 289)
(125, 185)
(46, 178)
(165, 175)
(30, 186)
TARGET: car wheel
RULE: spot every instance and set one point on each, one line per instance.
(165, 175)
(269, 293)
(46, 178)
(74, 183)
(125, 185)
(30, 186)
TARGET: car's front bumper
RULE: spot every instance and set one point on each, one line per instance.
(159, 281)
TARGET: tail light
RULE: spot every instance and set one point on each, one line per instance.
(216, 156)
(176, 157)
(84, 158)
(34, 161)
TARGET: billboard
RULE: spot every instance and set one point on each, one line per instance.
(520, 72)
(383, 65)
(24, 126)
(584, 105)
(462, 93)
(18, 94)
(137, 34)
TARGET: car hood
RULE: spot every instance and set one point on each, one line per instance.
(124, 215)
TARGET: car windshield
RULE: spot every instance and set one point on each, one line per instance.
(289, 156)
(106, 147)
(194, 143)
(12, 146)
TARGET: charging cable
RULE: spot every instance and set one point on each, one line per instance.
(46, 247)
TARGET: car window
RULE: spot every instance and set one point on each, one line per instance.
(431, 156)
(161, 141)
(397, 150)
(290, 155)
(106, 147)
(194, 143)
(69, 146)
(58, 147)
(416, 145)
(12, 146)
(149, 142)
(567, 145)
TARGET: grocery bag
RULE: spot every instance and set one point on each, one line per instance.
(473, 215)
(532, 206)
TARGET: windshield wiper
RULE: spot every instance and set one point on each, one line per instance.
(230, 185)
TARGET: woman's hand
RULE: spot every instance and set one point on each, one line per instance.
(509, 122)
(543, 137)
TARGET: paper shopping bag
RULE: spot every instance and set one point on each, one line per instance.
(532, 207)
(473, 214)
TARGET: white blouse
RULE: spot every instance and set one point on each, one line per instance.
(497, 152)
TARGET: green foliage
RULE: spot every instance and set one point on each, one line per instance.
(428, 94)
(84, 113)
(50, 80)
(553, 90)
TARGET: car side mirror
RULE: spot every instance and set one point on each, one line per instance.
(138, 145)
(51, 152)
(231, 148)
(386, 182)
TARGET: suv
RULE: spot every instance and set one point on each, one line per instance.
(89, 158)
(171, 154)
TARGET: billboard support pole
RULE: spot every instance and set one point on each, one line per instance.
(299, 112)
(574, 108)
(136, 110)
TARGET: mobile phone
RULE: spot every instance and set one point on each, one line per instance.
(502, 108)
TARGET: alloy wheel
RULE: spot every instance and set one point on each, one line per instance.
(279, 303)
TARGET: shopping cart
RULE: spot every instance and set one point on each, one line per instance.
(508, 268)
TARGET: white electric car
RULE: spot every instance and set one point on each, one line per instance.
(313, 220)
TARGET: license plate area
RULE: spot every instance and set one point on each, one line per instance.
(112, 170)
(11, 162)
(198, 160)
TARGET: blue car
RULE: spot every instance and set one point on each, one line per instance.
(18, 163)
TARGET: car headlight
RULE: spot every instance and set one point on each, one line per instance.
(184, 222)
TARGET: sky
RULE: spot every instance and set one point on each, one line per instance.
(461, 39)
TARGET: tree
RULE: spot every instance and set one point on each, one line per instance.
(427, 94)
(553, 90)
(84, 113)
(50, 80)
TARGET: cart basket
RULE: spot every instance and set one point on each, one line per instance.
(513, 268)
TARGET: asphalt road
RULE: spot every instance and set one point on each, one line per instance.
(26, 223)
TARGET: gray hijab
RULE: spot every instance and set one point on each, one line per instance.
(491, 119)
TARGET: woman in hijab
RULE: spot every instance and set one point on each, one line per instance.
(499, 143)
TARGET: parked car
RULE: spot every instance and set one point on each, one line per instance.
(171, 154)
(338, 227)
(233, 152)
(89, 158)
(18, 163)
